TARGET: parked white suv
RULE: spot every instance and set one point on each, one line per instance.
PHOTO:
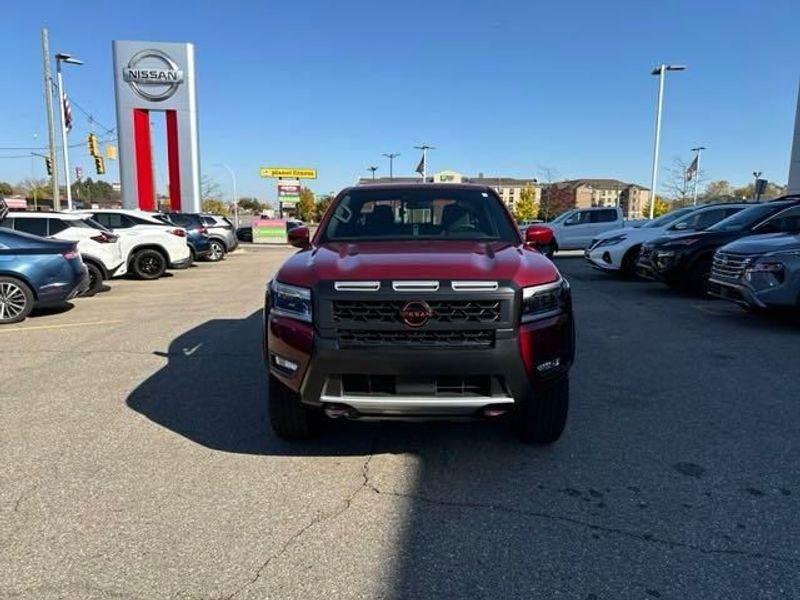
(576, 228)
(618, 250)
(149, 246)
(100, 249)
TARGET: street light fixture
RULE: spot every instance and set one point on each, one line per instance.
(64, 58)
(661, 71)
(373, 169)
(391, 156)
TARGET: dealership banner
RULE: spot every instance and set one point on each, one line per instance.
(269, 231)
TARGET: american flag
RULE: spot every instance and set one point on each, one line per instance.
(691, 170)
(67, 112)
(421, 166)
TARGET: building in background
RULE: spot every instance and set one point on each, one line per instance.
(586, 193)
(508, 188)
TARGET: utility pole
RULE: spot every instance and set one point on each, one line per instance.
(756, 177)
(64, 58)
(425, 148)
(51, 129)
(698, 150)
(661, 71)
(373, 169)
(391, 156)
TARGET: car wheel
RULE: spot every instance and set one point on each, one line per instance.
(628, 266)
(95, 280)
(149, 264)
(542, 417)
(289, 418)
(217, 251)
(16, 300)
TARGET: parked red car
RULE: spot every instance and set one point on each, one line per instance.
(419, 301)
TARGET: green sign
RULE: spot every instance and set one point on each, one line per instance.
(269, 231)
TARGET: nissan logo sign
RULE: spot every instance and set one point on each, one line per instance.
(416, 313)
(153, 75)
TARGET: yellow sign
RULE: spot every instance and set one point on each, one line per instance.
(111, 152)
(291, 172)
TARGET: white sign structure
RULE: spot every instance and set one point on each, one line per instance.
(794, 164)
(157, 76)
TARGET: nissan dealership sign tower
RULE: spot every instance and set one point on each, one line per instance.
(156, 76)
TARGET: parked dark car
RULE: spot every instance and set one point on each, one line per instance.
(36, 271)
(684, 261)
(197, 238)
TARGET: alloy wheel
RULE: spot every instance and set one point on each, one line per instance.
(150, 265)
(216, 251)
(12, 301)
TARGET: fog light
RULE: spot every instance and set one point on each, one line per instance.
(548, 365)
(284, 363)
(607, 257)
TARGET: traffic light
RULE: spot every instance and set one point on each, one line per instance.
(48, 163)
(100, 165)
(94, 146)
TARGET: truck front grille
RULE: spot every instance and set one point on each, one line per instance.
(359, 338)
(728, 266)
(444, 311)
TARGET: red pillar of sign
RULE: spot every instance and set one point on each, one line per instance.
(144, 159)
(173, 158)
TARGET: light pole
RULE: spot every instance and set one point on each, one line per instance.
(64, 58)
(698, 150)
(661, 71)
(391, 156)
(373, 169)
(51, 128)
(424, 148)
(756, 177)
(235, 195)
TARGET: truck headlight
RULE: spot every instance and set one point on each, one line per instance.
(547, 300)
(290, 301)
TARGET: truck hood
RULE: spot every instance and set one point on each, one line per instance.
(469, 260)
(762, 244)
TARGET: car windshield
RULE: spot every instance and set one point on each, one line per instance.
(437, 213)
(748, 217)
(668, 218)
(563, 217)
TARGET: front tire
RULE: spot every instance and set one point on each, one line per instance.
(149, 264)
(697, 280)
(628, 266)
(16, 300)
(541, 418)
(289, 418)
(95, 280)
(217, 251)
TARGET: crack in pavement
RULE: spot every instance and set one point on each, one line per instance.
(319, 518)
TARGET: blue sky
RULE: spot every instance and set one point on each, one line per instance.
(499, 87)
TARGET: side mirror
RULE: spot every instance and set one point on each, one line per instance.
(538, 236)
(682, 226)
(299, 237)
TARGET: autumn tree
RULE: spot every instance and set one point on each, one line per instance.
(525, 209)
(306, 208)
(661, 207)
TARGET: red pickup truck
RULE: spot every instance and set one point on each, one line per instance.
(419, 301)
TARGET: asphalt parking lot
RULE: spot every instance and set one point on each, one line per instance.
(137, 461)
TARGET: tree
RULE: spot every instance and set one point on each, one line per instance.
(661, 207)
(525, 209)
(6, 189)
(249, 204)
(215, 207)
(773, 190)
(36, 188)
(678, 189)
(209, 188)
(306, 208)
(89, 190)
(322, 205)
(718, 190)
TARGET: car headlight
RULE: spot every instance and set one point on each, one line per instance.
(290, 301)
(549, 299)
(612, 241)
(765, 274)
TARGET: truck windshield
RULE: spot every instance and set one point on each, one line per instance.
(437, 213)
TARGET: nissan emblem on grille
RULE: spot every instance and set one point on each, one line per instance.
(416, 313)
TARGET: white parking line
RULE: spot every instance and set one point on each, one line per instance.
(62, 326)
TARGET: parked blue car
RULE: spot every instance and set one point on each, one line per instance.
(36, 271)
(197, 234)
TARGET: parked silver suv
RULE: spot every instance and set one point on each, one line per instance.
(761, 271)
(221, 233)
